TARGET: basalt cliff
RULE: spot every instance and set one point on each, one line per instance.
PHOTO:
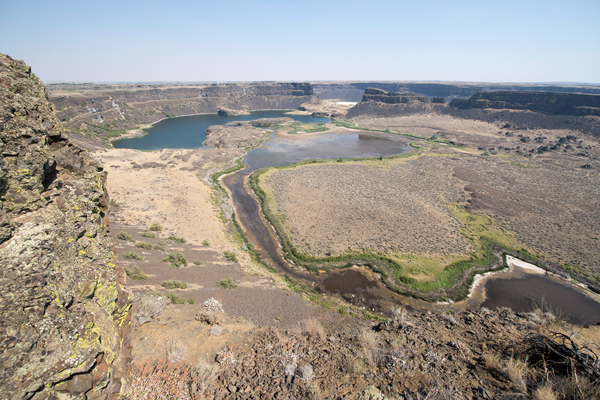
(107, 111)
(64, 315)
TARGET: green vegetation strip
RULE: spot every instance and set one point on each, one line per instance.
(445, 281)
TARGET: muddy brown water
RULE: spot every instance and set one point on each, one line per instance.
(531, 291)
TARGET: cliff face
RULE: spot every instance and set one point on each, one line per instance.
(109, 110)
(378, 102)
(551, 103)
(64, 316)
(353, 91)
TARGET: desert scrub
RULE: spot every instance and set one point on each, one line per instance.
(179, 300)
(176, 239)
(132, 255)
(227, 283)
(198, 262)
(148, 235)
(144, 245)
(135, 273)
(160, 380)
(176, 259)
(124, 236)
(156, 227)
(174, 284)
(205, 243)
(231, 256)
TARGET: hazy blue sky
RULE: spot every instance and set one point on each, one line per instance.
(493, 41)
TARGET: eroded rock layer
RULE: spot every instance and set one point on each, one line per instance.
(64, 316)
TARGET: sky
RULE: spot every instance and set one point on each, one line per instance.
(231, 40)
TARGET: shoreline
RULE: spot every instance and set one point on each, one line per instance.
(139, 131)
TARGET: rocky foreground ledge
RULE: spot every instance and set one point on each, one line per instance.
(64, 316)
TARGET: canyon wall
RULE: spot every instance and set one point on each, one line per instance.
(353, 91)
(64, 315)
(551, 103)
(107, 111)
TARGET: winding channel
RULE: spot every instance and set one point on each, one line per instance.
(358, 286)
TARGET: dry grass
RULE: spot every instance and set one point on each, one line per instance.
(160, 381)
(492, 361)
(202, 374)
(176, 352)
(369, 344)
(545, 392)
(517, 370)
(314, 328)
(149, 306)
(400, 318)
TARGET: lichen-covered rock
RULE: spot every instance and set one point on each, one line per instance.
(64, 316)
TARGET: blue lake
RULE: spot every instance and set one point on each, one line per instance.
(190, 132)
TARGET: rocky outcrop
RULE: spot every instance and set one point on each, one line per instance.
(107, 111)
(550, 103)
(226, 112)
(64, 315)
(353, 91)
(373, 94)
(378, 102)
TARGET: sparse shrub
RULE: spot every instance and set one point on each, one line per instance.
(148, 235)
(176, 239)
(492, 361)
(313, 327)
(144, 245)
(227, 283)
(159, 246)
(368, 342)
(156, 227)
(198, 262)
(176, 352)
(450, 319)
(306, 372)
(176, 259)
(205, 243)
(516, 371)
(545, 392)
(213, 305)
(225, 356)
(132, 255)
(174, 284)
(179, 300)
(485, 153)
(289, 360)
(400, 319)
(210, 317)
(135, 273)
(202, 374)
(149, 306)
(124, 236)
(160, 380)
(231, 256)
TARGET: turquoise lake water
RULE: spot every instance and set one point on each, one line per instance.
(190, 132)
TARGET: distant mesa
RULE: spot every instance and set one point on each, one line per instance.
(546, 102)
(372, 94)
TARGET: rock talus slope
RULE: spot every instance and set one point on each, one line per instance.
(64, 316)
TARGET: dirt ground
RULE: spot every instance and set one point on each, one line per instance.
(164, 187)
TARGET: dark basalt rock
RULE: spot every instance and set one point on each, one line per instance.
(64, 315)
(550, 103)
